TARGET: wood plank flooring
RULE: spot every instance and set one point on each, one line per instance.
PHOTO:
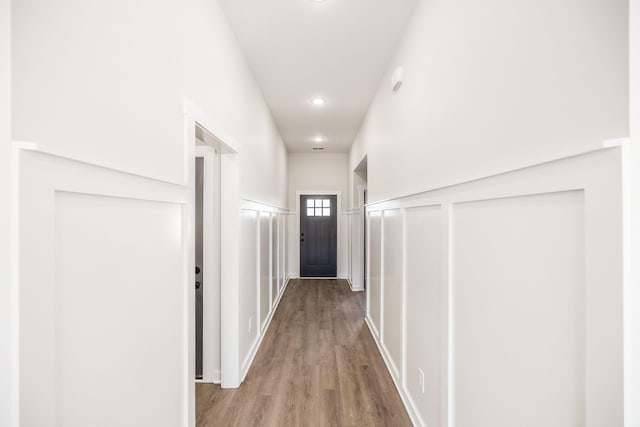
(318, 366)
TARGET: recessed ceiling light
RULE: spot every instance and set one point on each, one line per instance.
(318, 139)
(318, 101)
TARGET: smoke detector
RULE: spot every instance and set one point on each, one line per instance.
(396, 78)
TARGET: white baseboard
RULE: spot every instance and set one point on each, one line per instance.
(248, 362)
(353, 288)
(406, 399)
(216, 379)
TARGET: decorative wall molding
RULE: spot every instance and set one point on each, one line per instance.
(51, 188)
(250, 357)
(564, 155)
(264, 207)
(585, 185)
(54, 152)
(268, 271)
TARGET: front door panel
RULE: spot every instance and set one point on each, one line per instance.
(318, 236)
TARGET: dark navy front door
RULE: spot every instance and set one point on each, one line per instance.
(318, 236)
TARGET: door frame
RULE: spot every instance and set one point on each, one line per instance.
(210, 261)
(197, 124)
(362, 241)
(339, 249)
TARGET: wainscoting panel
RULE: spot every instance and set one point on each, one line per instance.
(498, 301)
(92, 286)
(264, 234)
(101, 313)
(357, 273)
(393, 288)
(249, 290)
(275, 233)
(374, 267)
(519, 311)
(282, 243)
(423, 312)
(343, 250)
(265, 268)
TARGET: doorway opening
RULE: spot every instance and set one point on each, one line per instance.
(359, 238)
(211, 176)
(207, 261)
(318, 235)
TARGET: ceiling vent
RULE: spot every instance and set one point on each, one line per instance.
(318, 148)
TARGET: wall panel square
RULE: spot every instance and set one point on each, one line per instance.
(424, 310)
(393, 288)
(519, 311)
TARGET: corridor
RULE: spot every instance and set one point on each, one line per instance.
(177, 176)
(318, 365)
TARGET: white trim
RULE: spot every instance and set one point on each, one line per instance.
(632, 227)
(382, 280)
(228, 144)
(406, 401)
(447, 320)
(15, 285)
(352, 288)
(248, 361)
(55, 152)
(263, 323)
(196, 121)
(403, 356)
(264, 212)
(270, 275)
(9, 405)
(215, 378)
(81, 176)
(358, 244)
(258, 278)
(262, 206)
(600, 174)
(368, 267)
(564, 155)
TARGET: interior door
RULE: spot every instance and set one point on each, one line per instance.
(199, 263)
(318, 236)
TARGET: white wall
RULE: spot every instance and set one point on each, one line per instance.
(216, 76)
(489, 89)
(320, 172)
(493, 85)
(6, 410)
(499, 302)
(113, 104)
(633, 267)
(86, 329)
(104, 83)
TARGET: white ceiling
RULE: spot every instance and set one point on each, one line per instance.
(335, 49)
